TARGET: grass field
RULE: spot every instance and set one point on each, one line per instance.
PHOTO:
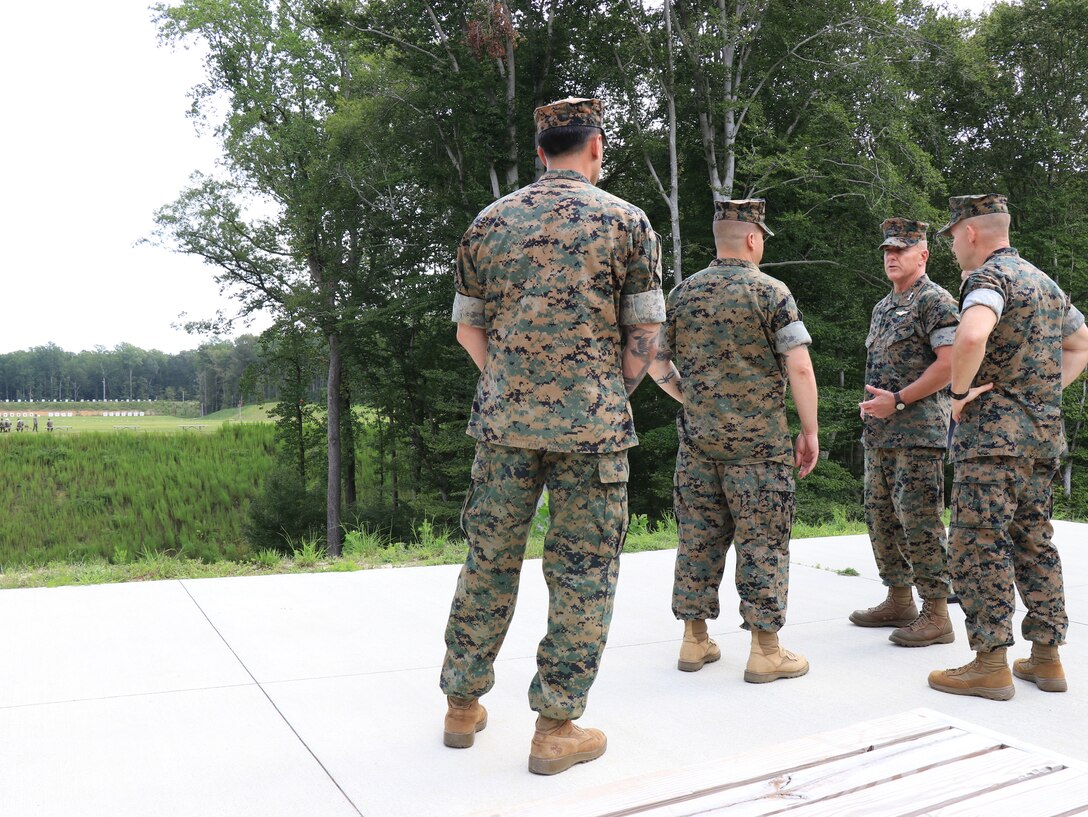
(155, 422)
(78, 496)
(135, 498)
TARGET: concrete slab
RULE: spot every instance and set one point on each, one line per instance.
(74, 643)
(206, 752)
(352, 719)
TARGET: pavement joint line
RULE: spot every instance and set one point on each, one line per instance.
(149, 694)
(264, 692)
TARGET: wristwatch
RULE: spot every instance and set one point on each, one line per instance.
(899, 404)
(959, 396)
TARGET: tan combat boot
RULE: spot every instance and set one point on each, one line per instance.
(1044, 668)
(768, 661)
(558, 745)
(988, 676)
(931, 627)
(464, 718)
(897, 610)
(697, 648)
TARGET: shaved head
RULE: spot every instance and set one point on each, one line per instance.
(991, 226)
(733, 234)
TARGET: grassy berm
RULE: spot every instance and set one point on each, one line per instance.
(74, 497)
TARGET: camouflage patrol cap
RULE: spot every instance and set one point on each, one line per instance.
(902, 232)
(981, 204)
(570, 111)
(746, 210)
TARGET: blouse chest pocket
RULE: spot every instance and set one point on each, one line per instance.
(898, 326)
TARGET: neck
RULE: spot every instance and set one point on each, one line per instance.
(903, 286)
(985, 249)
(578, 163)
(744, 254)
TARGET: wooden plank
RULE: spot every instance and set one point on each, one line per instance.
(834, 777)
(676, 785)
(1061, 793)
(917, 794)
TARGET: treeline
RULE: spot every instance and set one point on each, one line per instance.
(376, 131)
(216, 375)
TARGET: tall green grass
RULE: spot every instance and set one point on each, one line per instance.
(121, 496)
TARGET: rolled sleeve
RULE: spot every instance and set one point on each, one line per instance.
(984, 297)
(642, 307)
(1074, 320)
(468, 311)
(944, 336)
(643, 260)
(791, 336)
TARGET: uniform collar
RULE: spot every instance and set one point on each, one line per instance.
(907, 296)
(572, 175)
(733, 262)
(1003, 252)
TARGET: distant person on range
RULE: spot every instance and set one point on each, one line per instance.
(549, 281)
(1020, 341)
(905, 433)
(737, 337)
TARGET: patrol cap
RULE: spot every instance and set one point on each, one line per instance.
(570, 111)
(902, 232)
(981, 204)
(747, 210)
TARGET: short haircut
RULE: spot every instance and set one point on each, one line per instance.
(561, 141)
(733, 233)
(991, 225)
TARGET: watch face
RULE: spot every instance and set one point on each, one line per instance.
(900, 406)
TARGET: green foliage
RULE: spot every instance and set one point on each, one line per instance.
(308, 551)
(113, 495)
(830, 490)
(284, 511)
(267, 558)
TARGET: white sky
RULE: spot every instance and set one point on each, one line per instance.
(94, 139)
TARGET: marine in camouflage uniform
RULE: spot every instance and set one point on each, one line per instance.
(547, 280)
(1021, 340)
(905, 431)
(732, 330)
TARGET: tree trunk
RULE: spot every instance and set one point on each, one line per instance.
(348, 440)
(299, 428)
(394, 479)
(381, 460)
(333, 534)
(511, 99)
(674, 170)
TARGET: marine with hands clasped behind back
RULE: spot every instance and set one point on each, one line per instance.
(737, 337)
(559, 304)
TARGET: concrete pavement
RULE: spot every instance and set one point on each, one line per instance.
(317, 694)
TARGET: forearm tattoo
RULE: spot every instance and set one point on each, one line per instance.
(642, 346)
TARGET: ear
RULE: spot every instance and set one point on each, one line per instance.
(596, 147)
(970, 232)
(542, 157)
(924, 254)
(750, 239)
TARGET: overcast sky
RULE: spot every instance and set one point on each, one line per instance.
(95, 139)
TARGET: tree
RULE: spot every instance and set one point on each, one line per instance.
(281, 79)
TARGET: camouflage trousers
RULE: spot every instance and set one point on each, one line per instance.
(1000, 541)
(588, 508)
(721, 504)
(904, 497)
